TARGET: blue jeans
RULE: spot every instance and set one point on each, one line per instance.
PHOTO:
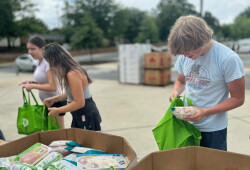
(215, 140)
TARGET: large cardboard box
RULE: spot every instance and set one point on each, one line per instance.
(193, 158)
(2, 142)
(97, 140)
(157, 77)
(158, 60)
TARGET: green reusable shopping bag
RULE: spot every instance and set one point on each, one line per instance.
(31, 118)
(53, 123)
(175, 133)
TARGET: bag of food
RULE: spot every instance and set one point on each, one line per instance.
(183, 112)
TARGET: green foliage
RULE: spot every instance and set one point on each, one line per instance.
(241, 27)
(135, 20)
(6, 18)
(87, 34)
(169, 12)
(212, 21)
(245, 13)
(102, 12)
(25, 28)
(148, 31)
(120, 23)
(225, 32)
(11, 27)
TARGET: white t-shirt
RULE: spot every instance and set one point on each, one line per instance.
(40, 76)
(206, 79)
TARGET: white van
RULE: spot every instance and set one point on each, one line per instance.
(243, 46)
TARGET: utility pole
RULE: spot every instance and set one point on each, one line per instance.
(201, 7)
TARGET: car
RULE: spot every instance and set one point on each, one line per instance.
(26, 63)
(243, 46)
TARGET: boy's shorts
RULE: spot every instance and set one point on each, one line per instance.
(215, 140)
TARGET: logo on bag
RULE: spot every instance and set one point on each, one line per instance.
(25, 122)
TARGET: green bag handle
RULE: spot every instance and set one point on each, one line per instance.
(51, 123)
(179, 101)
(24, 99)
(30, 92)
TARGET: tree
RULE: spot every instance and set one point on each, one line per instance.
(10, 10)
(148, 31)
(212, 21)
(120, 24)
(134, 22)
(30, 25)
(102, 12)
(241, 27)
(225, 31)
(7, 25)
(245, 13)
(169, 12)
(87, 34)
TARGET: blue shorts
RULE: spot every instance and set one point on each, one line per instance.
(87, 117)
(215, 140)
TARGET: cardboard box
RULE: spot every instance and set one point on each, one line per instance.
(158, 60)
(193, 158)
(97, 140)
(157, 77)
(2, 142)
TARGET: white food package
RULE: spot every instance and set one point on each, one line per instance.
(183, 112)
(102, 161)
(7, 161)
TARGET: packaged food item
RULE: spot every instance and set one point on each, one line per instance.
(22, 166)
(84, 150)
(64, 143)
(92, 161)
(59, 143)
(6, 161)
(61, 150)
(62, 165)
(71, 158)
(64, 146)
(33, 154)
(183, 112)
(49, 159)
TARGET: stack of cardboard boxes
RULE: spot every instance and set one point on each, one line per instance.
(157, 68)
(131, 65)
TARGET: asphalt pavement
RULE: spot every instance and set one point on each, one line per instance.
(131, 111)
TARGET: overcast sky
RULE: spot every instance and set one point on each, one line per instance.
(224, 10)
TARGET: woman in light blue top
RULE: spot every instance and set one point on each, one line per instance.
(75, 81)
